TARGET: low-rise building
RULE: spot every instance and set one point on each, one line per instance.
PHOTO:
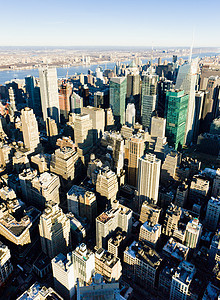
(150, 233)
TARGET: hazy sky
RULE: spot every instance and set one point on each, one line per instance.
(110, 22)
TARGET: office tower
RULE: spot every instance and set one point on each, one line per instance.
(176, 115)
(108, 265)
(39, 189)
(148, 178)
(109, 119)
(136, 147)
(65, 92)
(127, 132)
(193, 233)
(37, 291)
(83, 131)
(150, 213)
(84, 92)
(54, 228)
(29, 129)
(163, 86)
(216, 184)
(199, 188)
(148, 98)
(158, 144)
(181, 194)
(82, 203)
(106, 223)
(76, 103)
(159, 62)
(181, 281)
(6, 267)
(172, 217)
(133, 85)
(63, 275)
(98, 99)
(84, 264)
(107, 184)
(130, 114)
(97, 115)
(118, 87)
(51, 127)
(168, 170)
(174, 59)
(115, 142)
(116, 242)
(99, 289)
(30, 84)
(186, 81)
(63, 162)
(142, 264)
(199, 98)
(212, 213)
(49, 93)
(150, 233)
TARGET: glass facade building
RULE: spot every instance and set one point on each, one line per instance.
(118, 90)
(176, 114)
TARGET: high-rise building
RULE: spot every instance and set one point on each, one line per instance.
(63, 275)
(83, 131)
(130, 115)
(133, 85)
(82, 203)
(51, 127)
(98, 99)
(148, 178)
(97, 115)
(172, 217)
(212, 213)
(106, 223)
(99, 289)
(193, 233)
(63, 162)
(49, 93)
(65, 92)
(84, 264)
(148, 98)
(76, 103)
(5, 263)
(54, 228)
(29, 129)
(163, 86)
(181, 281)
(108, 265)
(107, 184)
(37, 291)
(142, 263)
(39, 189)
(150, 233)
(136, 150)
(169, 167)
(186, 81)
(118, 88)
(150, 213)
(216, 184)
(30, 84)
(176, 115)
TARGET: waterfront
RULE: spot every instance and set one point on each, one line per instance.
(62, 72)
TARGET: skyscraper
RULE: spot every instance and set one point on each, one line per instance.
(118, 88)
(130, 114)
(49, 93)
(54, 228)
(186, 80)
(29, 129)
(176, 115)
(136, 150)
(148, 178)
(148, 98)
(65, 92)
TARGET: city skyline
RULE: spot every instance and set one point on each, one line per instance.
(97, 23)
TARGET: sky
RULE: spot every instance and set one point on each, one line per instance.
(164, 23)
